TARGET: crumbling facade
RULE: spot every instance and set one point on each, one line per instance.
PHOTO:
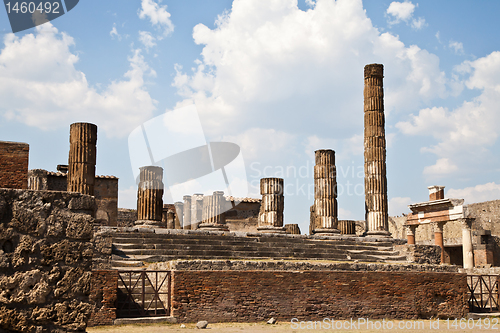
(375, 169)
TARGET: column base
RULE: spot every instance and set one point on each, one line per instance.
(327, 232)
(149, 224)
(379, 233)
(214, 227)
(272, 230)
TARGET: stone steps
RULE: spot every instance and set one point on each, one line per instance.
(131, 250)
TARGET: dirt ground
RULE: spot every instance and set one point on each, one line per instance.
(421, 326)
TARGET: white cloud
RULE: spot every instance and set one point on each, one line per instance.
(157, 15)
(114, 33)
(418, 23)
(399, 205)
(478, 193)
(443, 166)
(47, 91)
(264, 63)
(457, 47)
(401, 11)
(147, 39)
(469, 129)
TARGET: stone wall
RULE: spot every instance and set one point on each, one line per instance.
(103, 294)
(106, 193)
(45, 260)
(126, 217)
(249, 296)
(14, 165)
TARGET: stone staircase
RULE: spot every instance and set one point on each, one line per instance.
(132, 250)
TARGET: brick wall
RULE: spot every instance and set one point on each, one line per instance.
(103, 294)
(14, 165)
(249, 296)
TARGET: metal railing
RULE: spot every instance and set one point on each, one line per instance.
(143, 294)
(483, 293)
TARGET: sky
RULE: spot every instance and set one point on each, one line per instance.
(280, 78)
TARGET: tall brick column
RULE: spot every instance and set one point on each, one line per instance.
(196, 210)
(438, 237)
(376, 211)
(82, 158)
(187, 213)
(213, 216)
(325, 193)
(271, 208)
(150, 197)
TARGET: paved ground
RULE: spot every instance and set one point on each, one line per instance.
(423, 326)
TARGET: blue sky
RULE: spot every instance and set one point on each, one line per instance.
(280, 78)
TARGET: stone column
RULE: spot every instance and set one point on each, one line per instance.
(375, 170)
(272, 205)
(325, 194)
(467, 243)
(37, 180)
(82, 158)
(196, 210)
(213, 216)
(438, 238)
(150, 197)
(168, 217)
(410, 234)
(179, 215)
(347, 227)
(187, 213)
(292, 229)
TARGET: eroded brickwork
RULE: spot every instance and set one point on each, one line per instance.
(14, 165)
(103, 294)
(249, 296)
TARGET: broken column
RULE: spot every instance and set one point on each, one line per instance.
(213, 216)
(37, 180)
(272, 205)
(150, 197)
(82, 158)
(196, 210)
(179, 215)
(187, 213)
(325, 219)
(410, 234)
(376, 212)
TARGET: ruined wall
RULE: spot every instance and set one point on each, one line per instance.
(126, 217)
(45, 260)
(14, 165)
(249, 296)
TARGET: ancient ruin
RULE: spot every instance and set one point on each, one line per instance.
(233, 259)
(271, 208)
(375, 171)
